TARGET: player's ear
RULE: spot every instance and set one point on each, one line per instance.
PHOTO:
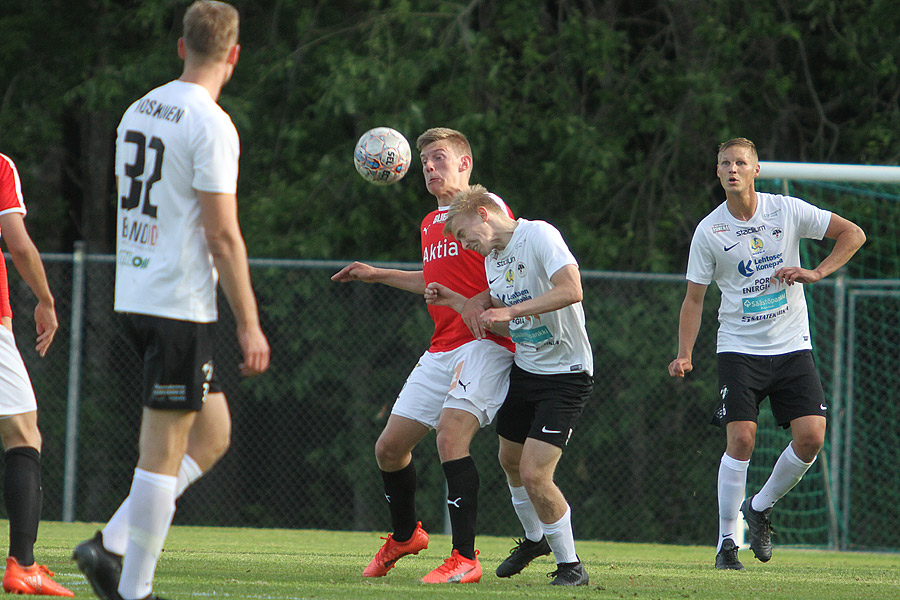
(181, 51)
(465, 163)
(233, 54)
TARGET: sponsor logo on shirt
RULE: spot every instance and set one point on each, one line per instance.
(746, 268)
(777, 233)
(130, 259)
(510, 278)
(765, 303)
(756, 245)
(749, 230)
(720, 227)
(441, 249)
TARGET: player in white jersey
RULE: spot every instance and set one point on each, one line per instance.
(177, 234)
(750, 246)
(536, 293)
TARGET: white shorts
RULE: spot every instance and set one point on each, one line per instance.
(473, 378)
(16, 393)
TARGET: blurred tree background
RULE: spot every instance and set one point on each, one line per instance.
(599, 116)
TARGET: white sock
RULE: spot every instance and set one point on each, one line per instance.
(788, 471)
(151, 507)
(731, 484)
(526, 513)
(561, 539)
(115, 533)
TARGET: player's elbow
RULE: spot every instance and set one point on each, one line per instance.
(222, 243)
(859, 235)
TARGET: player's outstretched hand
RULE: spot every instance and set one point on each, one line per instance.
(792, 275)
(255, 348)
(680, 366)
(46, 324)
(355, 271)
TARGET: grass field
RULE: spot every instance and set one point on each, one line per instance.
(207, 562)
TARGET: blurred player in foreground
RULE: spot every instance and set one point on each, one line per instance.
(535, 288)
(19, 431)
(173, 242)
(457, 385)
(750, 246)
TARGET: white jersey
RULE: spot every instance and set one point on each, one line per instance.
(756, 315)
(170, 143)
(550, 343)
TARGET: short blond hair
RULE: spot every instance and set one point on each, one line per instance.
(739, 142)
(210, 29)
(467, 202)
(454, 138)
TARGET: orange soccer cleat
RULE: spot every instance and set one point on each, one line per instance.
(35, 580)
(456, 569)
(393, 551)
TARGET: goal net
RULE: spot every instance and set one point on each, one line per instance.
(849, 499)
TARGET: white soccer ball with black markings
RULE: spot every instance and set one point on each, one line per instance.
(382, 156)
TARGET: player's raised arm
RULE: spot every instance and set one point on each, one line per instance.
(411, 281)
(849, 237)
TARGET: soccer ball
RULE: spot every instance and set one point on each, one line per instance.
(382, 156)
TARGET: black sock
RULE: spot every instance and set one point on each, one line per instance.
(23, 497)
(462, 500)
(400, 490)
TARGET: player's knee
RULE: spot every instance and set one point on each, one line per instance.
(741, 444)
(806, 447)
(390, 456)
(509, 464)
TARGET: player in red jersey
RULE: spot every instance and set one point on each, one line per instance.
(458, 384)
(18, 409)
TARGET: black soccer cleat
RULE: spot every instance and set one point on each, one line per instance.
(727, 558)
(760, 529)
(101, 567)
(569, 574)
(521, 556)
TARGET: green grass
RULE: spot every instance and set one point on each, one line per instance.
(207, 562)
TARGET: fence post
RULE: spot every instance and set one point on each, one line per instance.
(70, 473)
(837, 409)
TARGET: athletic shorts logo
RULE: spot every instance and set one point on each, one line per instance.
(550, 431)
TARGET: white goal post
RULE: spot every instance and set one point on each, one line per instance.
(826, 172)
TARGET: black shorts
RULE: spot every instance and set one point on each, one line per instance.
(543, 407)
(178, 361)
(791, 382)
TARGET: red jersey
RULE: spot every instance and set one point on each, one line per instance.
(10, 201)
(444, 261)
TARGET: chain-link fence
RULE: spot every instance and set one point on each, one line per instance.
(641, 466)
